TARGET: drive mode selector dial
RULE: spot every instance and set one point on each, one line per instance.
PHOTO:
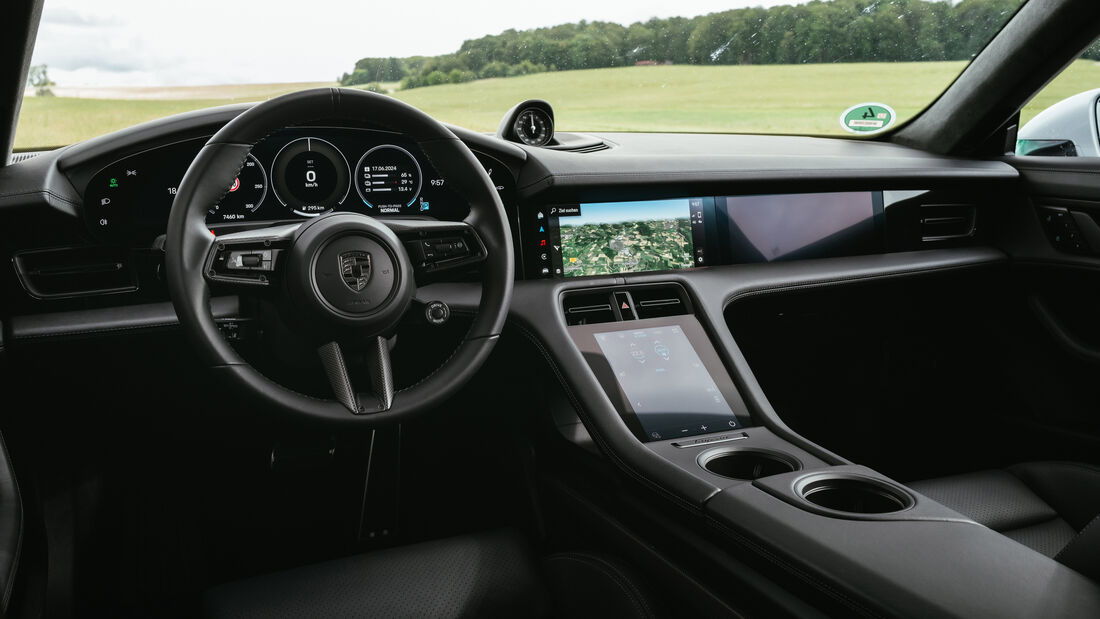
(310, 176)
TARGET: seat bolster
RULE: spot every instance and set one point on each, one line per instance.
(484, 575)
(1071, 488)
(589, 585)
(994, 498)
(1081, 553)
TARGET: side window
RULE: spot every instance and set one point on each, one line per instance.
(1061, 121)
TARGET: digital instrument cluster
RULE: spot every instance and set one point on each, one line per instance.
(293, 174)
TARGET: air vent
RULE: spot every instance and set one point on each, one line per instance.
(942, 222)
(75, 271)
(660, 300)
(625, 304)
(590, 149)
(577, 143)
(18, 157)
(588, 308)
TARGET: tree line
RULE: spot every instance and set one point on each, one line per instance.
(816, 32)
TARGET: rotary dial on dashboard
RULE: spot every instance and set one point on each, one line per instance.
(534, 127)
(244, 196)
(310, 176)
(388, 179)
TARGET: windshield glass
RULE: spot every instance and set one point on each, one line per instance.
(837, 67)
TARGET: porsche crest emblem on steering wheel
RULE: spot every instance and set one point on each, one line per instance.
(355, 269)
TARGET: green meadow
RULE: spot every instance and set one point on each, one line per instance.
(792, 99)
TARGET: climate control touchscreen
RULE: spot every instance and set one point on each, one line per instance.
(665, 382)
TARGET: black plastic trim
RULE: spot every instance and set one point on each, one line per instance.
(109, 320)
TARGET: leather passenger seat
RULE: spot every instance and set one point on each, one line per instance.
(1050, 507)
(485, 575)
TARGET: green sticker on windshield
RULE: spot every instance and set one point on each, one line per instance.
(867, 118)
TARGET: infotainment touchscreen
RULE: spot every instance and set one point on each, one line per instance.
(665, 382)
(601, 238)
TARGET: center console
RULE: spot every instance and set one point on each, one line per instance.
(679, 398)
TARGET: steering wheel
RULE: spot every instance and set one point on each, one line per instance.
(343, 280)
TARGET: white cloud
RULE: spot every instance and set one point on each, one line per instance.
(150, 43)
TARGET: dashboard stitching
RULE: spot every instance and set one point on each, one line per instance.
(45, 192)
(158, 325)
(801, 174)
(1057, 170)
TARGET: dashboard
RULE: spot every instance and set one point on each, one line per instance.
(585, 206)
(294, 174)
(631, 255)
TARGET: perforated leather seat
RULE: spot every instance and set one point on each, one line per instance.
(486, 575)
(1050, 507)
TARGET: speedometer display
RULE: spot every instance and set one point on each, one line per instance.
(388, 179)
(310, 176)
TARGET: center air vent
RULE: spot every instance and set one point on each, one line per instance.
(941, 222)
(577, 143)
(590, 148)
(587, 307)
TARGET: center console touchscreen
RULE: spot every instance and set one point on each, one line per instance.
(663, 375)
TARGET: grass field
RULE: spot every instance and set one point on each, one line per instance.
(800, 99)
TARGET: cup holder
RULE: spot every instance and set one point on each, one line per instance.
(747, 464)
(853, 494)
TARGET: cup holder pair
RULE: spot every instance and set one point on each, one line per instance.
(834, 493)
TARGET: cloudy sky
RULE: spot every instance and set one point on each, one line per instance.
(199, 42)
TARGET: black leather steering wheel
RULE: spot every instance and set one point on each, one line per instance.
(344, 279)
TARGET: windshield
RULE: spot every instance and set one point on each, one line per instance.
(839, 67)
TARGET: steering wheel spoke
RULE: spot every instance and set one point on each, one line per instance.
(438, 246)
(380, 396)
(249, 259)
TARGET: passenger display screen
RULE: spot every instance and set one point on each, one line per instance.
(767, 228)
(665, 382)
